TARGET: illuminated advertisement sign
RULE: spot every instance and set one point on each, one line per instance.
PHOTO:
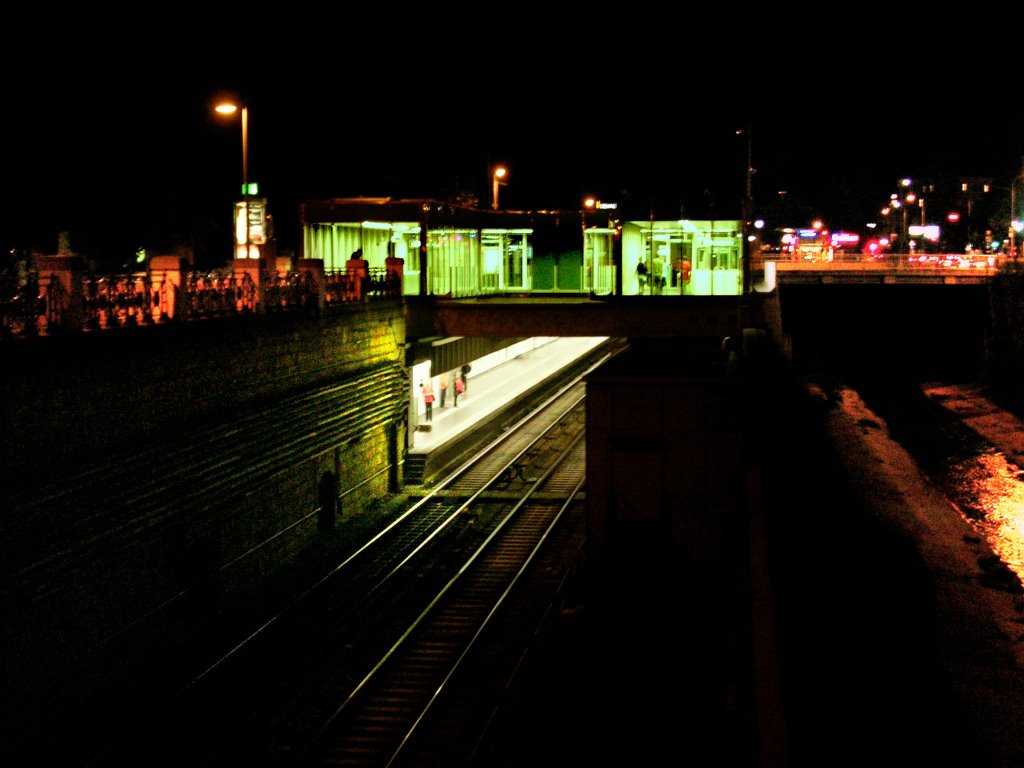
(257, 210)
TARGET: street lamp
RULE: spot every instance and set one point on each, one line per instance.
(589, 204)
(229, 108)
(499, 174)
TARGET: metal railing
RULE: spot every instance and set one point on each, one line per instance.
(43, 303)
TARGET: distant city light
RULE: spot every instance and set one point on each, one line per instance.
(929, 231)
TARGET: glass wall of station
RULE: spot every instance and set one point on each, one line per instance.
(507, 257)
(599, 261)
(682, 258)
(460, 261)
(453, 262)
(336, 243)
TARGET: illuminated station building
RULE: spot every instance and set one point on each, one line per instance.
(446, 249)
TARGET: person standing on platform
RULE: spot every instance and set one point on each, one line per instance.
(428, 400)
(459, 389)
(464, 376)
(641, 274)
(443, 387)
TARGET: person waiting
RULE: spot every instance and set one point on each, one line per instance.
(428, 400)
(657, 274)
(641, 274)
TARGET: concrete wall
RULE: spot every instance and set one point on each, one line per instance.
(70, 396)
(665, 456)
(1003, 373)
(157, 483)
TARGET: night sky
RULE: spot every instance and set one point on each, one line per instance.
(113, 138)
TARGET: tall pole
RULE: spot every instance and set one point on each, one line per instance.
(750, 169)
(497, 174)
(1013, 209)
(245, 173)
(587, 281)
(903, 245)
(748, 212)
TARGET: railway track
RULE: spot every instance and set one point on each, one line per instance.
(73, 545)
(391, 649)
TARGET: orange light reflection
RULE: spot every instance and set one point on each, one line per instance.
(998, 493)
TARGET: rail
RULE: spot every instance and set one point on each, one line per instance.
(256, 704)
(49, 302)
(898, 268)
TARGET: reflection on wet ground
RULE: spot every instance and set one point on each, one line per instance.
(989, 491)
(974, 475)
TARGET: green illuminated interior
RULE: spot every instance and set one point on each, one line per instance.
(696, 257)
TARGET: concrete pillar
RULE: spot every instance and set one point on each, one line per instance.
(395, 273)
(359, 270)
(166, 274)
(253, 269)
(60, 284)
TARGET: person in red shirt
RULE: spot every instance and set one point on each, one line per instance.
(428, 400)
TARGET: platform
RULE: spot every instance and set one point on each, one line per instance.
(493, 384)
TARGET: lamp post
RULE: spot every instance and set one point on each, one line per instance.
(497, 176)
(1015, 220)
(748, 209)
(903, 231)
(589, 203)
(229, 108)
(909, 199)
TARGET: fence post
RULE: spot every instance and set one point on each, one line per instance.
(314, 269)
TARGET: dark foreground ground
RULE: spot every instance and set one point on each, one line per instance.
(893, 637)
